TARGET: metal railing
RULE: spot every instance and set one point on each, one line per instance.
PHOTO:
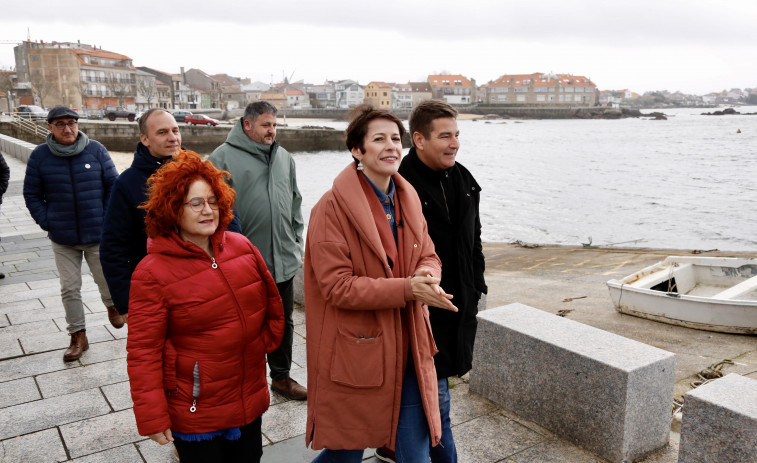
(29, 126)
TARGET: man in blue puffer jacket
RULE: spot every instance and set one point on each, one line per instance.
(68, 180)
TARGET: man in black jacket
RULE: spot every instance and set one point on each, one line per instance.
(450, 198)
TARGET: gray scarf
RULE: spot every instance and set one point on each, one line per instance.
(65, 151)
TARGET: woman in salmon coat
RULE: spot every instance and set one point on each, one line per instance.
(370, 270)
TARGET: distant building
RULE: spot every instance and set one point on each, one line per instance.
(379, 94)
(453, 88)
(421, 91)
(212, 93)
(74, 74)
(541, 89)
(402, 96)
(179, 95)
(253, 90)
(321, 96)
(348, 94)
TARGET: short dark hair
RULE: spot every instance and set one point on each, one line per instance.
(360, 117)
(255, 109)
(424, 114)
(143, 119)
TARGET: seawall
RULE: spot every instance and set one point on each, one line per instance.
(123, 136)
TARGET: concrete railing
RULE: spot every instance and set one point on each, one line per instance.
(720, 421)
(608, 394)
(19, 149)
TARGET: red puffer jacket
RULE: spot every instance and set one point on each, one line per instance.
(199, 329)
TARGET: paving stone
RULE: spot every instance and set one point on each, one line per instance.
(51, 283)
(119, 395)
(35, 343)
(292, 450)
(13, 288)
(18, 391)
(299, 332)
(123, 454)
(153, 452)
(492, 438)
(42, 414)
(104, 351)
(100, 433)
(720, 421)
(28, 294)
(285, 420)
(31, 365)
(554, 450)
(465, 406)
(4, 321)
(21, 306)
(39, 447)
(82, 378)
(299, 355)
(118, 333)
(28, 316)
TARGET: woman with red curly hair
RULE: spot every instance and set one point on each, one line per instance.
(203, 312)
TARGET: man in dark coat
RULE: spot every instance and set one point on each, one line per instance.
(450, 198)
(124, 240)
(66, 188)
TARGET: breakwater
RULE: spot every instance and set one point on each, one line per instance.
(123, 136)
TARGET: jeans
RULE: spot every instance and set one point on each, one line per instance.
(280, 360)
(413, 438)
(445, 452)
(68, 261)
(248, 448)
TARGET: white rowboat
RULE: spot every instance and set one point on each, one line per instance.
(707, 293)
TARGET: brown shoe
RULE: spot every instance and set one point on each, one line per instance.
(115, 318)
(290, 389)
(78, 345)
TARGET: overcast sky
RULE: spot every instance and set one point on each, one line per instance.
(695, 46)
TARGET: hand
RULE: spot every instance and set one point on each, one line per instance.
(125, 317)
(427, 290)
(162, 438)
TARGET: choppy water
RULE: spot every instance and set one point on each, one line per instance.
(689, 182)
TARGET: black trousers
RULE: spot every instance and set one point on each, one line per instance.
(280, 360)
(248, 448)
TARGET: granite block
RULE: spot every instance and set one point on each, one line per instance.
(119, 395)
(18, 391)
(292, 451)
(720, 421)
(46, 413)
(28, 316)
(39, 447)
(554, 450)
(465, 406)
(31, 365)
(9, 348)
(609, 394)
(100, 433)
(82, 378)
(123, 454)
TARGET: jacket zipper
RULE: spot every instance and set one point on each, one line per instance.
(76, 201)
(195, 387)
(444, 195)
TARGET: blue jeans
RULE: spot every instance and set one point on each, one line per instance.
(445, 452)
(413, 439)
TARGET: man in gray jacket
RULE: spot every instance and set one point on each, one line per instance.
(268, 203)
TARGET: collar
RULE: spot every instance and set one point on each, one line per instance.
(383, 197)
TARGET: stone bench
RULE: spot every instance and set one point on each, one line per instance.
(606, 393)
(720, 421)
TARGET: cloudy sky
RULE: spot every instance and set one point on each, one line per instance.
(696, 46)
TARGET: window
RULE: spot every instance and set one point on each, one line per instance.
(35, 58)
(521, 97)
(540, 97)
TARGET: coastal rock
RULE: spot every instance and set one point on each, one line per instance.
(725, 112)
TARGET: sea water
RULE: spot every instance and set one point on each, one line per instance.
(689, 182)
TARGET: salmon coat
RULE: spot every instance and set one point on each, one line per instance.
(199, 329)
(354, 303)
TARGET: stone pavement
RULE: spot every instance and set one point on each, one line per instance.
(82, 411)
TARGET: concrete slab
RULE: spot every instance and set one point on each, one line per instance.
(82, 378)
(37, 447)
(123, 454)
(92, 435)
(18, 391)
(118, 395)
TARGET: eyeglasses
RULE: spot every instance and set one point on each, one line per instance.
(198, 204)
(61, 125)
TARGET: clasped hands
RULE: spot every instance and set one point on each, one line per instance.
(426, 289)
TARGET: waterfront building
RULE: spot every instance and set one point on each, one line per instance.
(402, 96)
(541, 89)
(379, 94)
(455, 89)
(76, 75)
(348, 94)
(320, 96)
(175, 93)
(420, 91)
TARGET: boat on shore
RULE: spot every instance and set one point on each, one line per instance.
(706, 293)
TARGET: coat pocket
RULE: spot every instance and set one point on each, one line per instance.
(358, 362)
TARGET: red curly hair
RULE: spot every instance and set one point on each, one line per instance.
(167, 190)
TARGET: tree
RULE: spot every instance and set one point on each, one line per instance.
(6, 85)
(147, 88)
(118, 88)
(42, 87)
